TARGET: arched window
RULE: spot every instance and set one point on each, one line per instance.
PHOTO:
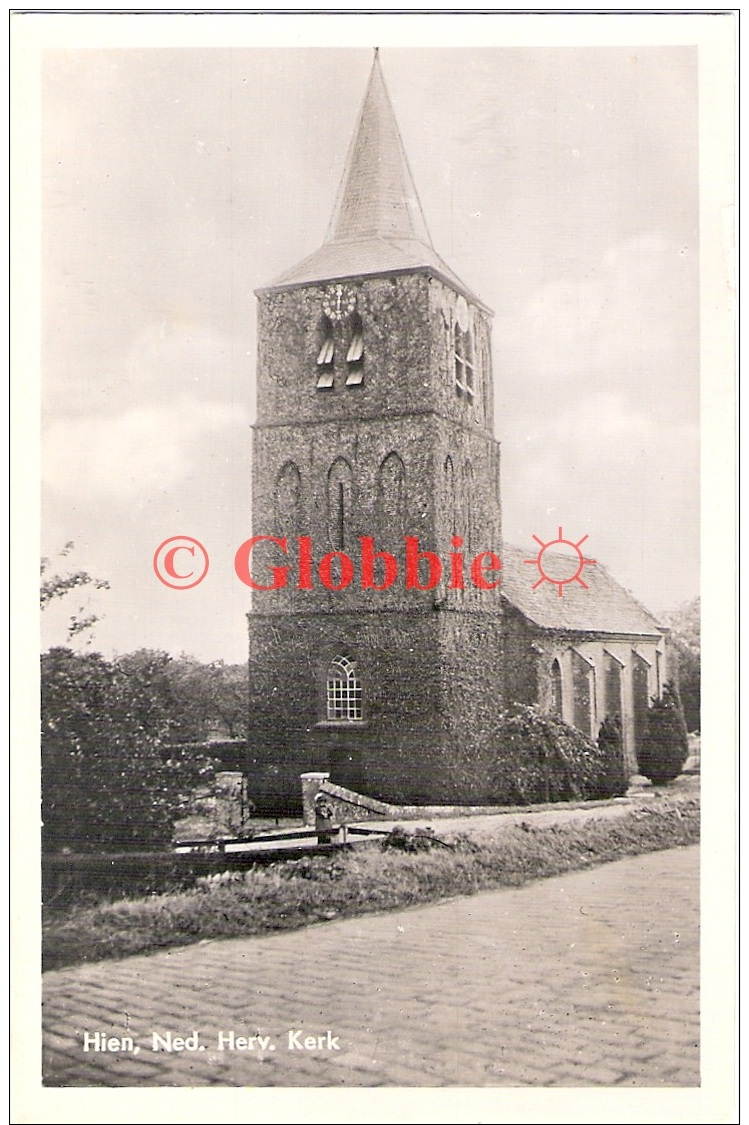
(391, 493)
(484, 372)
(583, 691)
(640, 695)
(468, 504)
(464, 361)
(343, 691)
(556, 689)
(613, 686)
(450, 497)
(288, 500)
(340, 497)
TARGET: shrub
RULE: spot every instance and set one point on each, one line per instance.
(404, 841)
(542, 759)
(614, 777)
(665, 746)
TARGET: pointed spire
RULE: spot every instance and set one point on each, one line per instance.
(377, 225)
(377, 197)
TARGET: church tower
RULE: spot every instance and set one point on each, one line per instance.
(374, 440)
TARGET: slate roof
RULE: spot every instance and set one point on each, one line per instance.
(605, 607)
(364, 257)
(377, 197)
(377, 224)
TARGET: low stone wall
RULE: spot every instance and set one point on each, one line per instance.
(349, 807)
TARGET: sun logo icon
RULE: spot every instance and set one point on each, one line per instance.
(560, 561)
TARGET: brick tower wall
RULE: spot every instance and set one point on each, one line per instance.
(430, 692)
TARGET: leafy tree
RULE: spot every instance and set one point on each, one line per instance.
(185, 700)
(685, 644)
(211, 699)
(55, 586)
(109, 780)
(156, 707)
(114, 774)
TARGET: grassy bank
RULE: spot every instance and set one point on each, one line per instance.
(401, 871)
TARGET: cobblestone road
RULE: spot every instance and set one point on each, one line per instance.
(585, 979)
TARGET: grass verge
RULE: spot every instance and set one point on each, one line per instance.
(402, 871)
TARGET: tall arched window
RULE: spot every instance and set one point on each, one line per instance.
(343, 691)
(450, 498)
(391, 493)
(583, 691)
(340, 498)
(468, 504)
(288, 500)
(613, 686)
(640, 695)
(464, 361)
(556, 689)
(658, 673)
(484, 371)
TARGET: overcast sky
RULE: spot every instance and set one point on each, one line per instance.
(561, 185)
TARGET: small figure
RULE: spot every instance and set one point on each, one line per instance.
(323, 821)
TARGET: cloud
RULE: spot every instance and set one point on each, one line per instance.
(605, 467)
(129, 358)
(144, 449)
(628, 319)
(600, 440)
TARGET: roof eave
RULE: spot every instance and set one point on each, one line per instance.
(658, 631)
(432, 271)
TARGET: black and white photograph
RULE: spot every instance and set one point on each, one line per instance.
(374, 415)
